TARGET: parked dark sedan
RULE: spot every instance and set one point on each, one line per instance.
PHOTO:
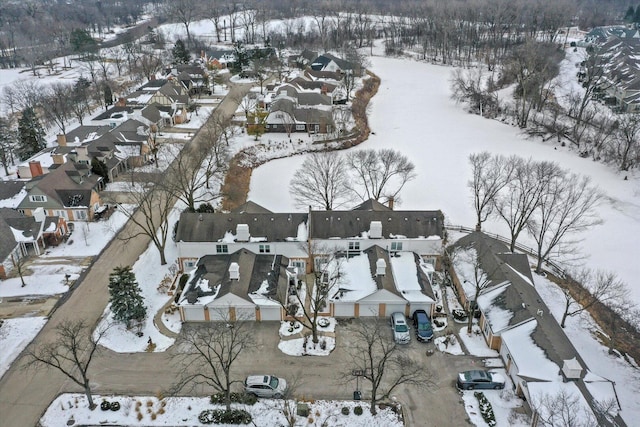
(477, 379)
(424, 331)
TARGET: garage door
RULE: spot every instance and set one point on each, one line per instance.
(245, 313)
(193, 314)
(270, 313)
(217, 314)
(369, 309)
(344, 310)
(392, 308)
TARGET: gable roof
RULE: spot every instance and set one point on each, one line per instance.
(250, 207)
(11, 193)
(7, 241)
(372, 205)
(221, 227)
(356, 223)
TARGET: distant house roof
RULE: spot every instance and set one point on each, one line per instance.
(372, 205)
(115, 111)
(251, 207)
(7, 241)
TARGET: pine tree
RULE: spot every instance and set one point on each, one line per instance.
(636, 16)
(126, 300)
(100, 168)
(31, 134)
(628, 17)
(180, 53)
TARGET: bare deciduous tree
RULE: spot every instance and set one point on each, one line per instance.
(470, 86)
(567, 206)
(588, 288)
(209, 352)
(321, 182)
(516, 204)
(379, 174)
(624, 147)
(568, 410)
(70, 353)
(490, 174)
(377, 359)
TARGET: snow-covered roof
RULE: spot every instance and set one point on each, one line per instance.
(497, 316)
(405, 273)
(355, 281)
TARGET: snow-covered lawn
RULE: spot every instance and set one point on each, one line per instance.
(475, 343)
(196, 119)
(296, 346)
(448, 344)
(41, 284)
(503, 403)
(184, 411)
(15, 335)
(149, 273)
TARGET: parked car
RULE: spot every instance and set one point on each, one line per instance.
(424, 331)
(400, 328)
(478, 379)
(265, 386)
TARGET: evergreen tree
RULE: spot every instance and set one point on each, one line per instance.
(108, 95)
(636, 16)
(628, 17)
(7, 142)
(242, 57)
(180, 53)
(82, 42)
(100, 168)
(126, 300)
(31, 134)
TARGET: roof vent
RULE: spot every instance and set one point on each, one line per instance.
(242, 232)
(234, 271)
(375, 230)
(381, 267)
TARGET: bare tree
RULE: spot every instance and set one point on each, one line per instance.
(70, 353)
(588, 288)
(621, 314)
(152, 207)
(8, 138)
(379, 174)
(567, 409)
(196, 173)
(470, 86)
(185, 12)
(376, 358)
(310, 298)
(490, 174)
(520, 198)
(321, 181)
(624, 147)
(209, 352)
(567, 206)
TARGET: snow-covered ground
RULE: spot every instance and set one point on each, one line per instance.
(173, 411)
(15, 335)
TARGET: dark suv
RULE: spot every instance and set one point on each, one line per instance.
(424, 332)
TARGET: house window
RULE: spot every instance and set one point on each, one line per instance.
(38, 198)
(396, 246)
(354, 248)
(299, 127)
(265, 249)
(316, 128)
(189, 264)
(80, 215)
(300, 265)
(222, 249)
(61, 214)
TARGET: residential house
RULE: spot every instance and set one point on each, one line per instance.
(20, 235)
(538, 356)
(303, 59)
(237, 286)
(329, 62)
(220, 59)
(398, 249)
(69, 191)
(191, 76)
(286, 116)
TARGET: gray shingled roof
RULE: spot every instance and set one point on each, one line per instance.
(9, 189)
(212, 227)
(251, 207)
(346, 224)
(7, 242)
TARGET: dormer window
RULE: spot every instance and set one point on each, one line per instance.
(38, 198)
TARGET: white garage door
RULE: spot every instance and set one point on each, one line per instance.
(245, 313)
(369, 309)
(217, 314)
(344, 310)
(270, 313)
(193, 314)
(392, 308)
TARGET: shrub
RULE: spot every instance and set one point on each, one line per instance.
(139, 416)
(345, 410)
(222, 416)
(485, 409)
(245, 398)
(357, 410)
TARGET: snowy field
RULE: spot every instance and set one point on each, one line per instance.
(15, 335)
(439, 136)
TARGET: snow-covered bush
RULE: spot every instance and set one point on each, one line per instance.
(485, 409)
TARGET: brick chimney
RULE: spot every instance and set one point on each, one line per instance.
(323, 89)
(390, 203)
(122, 102)
(152, 77)
(36, 168)
(62, 140)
